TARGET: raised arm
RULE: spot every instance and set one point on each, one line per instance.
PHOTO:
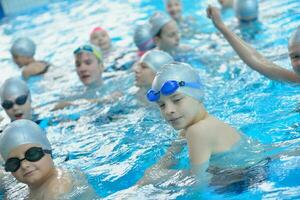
(248, 54)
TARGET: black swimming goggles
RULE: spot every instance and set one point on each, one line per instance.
(33, 154)
(21, 100)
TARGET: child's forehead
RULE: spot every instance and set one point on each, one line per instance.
(168, 97)
(21, 149)
(84, 56)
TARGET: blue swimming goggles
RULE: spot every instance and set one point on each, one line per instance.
(88, 48)
(169, 87)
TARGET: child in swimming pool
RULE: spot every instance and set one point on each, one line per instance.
(22, 51)
(100, 38)
(16, 100)
(166, 34)
(146, 69)
(89, 68)
(246, 10)
(254, 59)
(28, 157)
(178, 91)
(186, 24)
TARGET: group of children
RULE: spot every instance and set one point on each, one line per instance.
(174, 86)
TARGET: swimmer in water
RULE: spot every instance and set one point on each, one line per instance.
(146, 69)
(186, 24)
(166, 34)
(16, 99)
(28, 157)
(143, 38)
(246, 10)
(179, 93)
(100, 38)
(89, 67)
(254, 59)
(23, 51)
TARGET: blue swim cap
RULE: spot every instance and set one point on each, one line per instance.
(13, 87)
(295, 38)
(246, 10)
(155, 59)
(179, 72)
(158, 20)
(21, 132)
(23, 47)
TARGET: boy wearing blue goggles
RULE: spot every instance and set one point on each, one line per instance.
(178, 91)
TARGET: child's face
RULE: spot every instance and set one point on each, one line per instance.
(19, 111)
(179, 110)
(144, 75)
(169, 38)
(21, 61)
(174, 8)
(88, 68)
(101, 39)
(294, 52)
(31, 173)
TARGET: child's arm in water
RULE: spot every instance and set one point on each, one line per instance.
(161, 170)
(248, 54)
(107, 99)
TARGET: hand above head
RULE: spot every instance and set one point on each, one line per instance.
(213, 13)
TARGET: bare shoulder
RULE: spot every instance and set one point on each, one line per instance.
(61, 184)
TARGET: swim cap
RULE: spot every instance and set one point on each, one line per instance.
(158, 20)
(143, 37)
(13, 87)
(246, 9)
(155, 59)
(97, 29)
(21, 132)
(295, 38)
(23, 47)
(89, 48)
(179, 72)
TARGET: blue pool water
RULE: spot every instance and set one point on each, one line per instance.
(114, 153)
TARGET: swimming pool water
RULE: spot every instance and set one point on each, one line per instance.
(114, 144)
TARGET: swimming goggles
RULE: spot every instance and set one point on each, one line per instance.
(33, 154)
(88, 48)
(170, 87)
(21, 100)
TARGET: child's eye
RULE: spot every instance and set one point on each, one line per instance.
(177, 100)
(77, 64)
(162, 105)
(88, 62)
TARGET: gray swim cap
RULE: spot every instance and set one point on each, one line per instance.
(23, 47)
(155, 59)
(157, 21)
(143, 38)
(179, 72)
(21, 132)
(246, 9)
(295, 38)
(13, 87)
